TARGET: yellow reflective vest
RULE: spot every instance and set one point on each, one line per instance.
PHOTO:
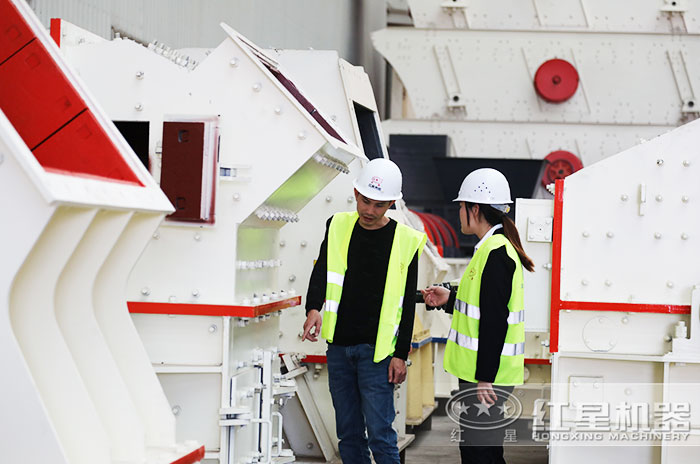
(463, 339)
(407, 242)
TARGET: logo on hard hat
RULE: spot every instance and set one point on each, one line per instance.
(376, 183)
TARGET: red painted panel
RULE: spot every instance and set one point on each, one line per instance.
(56, 30)
(314, 359)
(537, 361)
(181, 171)
(36, 97)
(625, 307)
(191, 458)
(14, 31)
(82, 147)
(185, 309)
(555, 297)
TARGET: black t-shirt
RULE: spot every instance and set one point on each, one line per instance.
(363, 288)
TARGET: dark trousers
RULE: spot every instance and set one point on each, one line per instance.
(481, 439)
(363, 400)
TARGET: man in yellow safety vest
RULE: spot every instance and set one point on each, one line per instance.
(361, 299)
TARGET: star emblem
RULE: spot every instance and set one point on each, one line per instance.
(505, 407)
(460, 408)
(483, 409)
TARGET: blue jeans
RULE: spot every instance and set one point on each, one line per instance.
(362, 398)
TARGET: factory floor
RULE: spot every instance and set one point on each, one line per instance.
(438, 445)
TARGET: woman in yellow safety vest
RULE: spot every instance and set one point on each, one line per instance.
(485, 345)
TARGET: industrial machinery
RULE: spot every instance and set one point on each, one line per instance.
(624, 305)
(206, 292)
(538, 90)
(77, 384)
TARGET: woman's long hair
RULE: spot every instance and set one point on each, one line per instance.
(494, 217)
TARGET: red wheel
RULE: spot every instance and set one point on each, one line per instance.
(560, 164)
(556, 81)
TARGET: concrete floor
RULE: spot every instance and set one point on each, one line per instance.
(436, 446)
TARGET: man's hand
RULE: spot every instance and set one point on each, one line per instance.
(435, 296)
(485, 393)
(397, 370)
(312, 326)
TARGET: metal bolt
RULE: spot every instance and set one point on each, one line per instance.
(176, 410)
(351, 199)
(531, 236)
(329, 199)
(585, 234)
(686, 163)
(195, 293)
(301, 135)
(685, 199)
(282, 243)
(236, 196)
(156, 235)
(138, 107)
(197, 237)
(608, 283)
(278, 110)
(610, 234)
(303, 243)
(257, 87)
(172, 299)
(669, 284)
(625, 320)
(309, 445)
(292, 278)
(657, 235)
(684, 236)
(584, 282)
(659, 162)
(233, 62)
(145, 291)
(139, 74)
(624, 197)
(213, 328)
(659, 198)
(547, 266)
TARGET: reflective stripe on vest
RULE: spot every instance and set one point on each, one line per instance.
(463, 339)
(407, 243)
(509, 349)
(335, 278)
(474, 312)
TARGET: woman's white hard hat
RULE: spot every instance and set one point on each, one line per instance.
(380, 180)
(486, 186)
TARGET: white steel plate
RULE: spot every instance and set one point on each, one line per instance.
(610, 252)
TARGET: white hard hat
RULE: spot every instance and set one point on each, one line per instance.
(488, 187)
(379, 180)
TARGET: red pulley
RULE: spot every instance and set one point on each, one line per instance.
(556, 81)
(560, 164)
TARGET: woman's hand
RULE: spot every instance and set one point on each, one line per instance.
(485, 393)
(435, 296)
